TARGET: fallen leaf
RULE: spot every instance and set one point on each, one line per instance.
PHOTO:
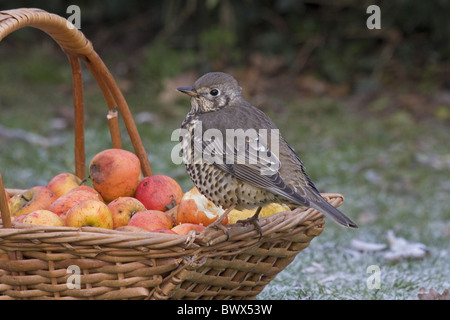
(367, 246)
(329, 278)
(314, 268)
(433, 294)
(400, 249)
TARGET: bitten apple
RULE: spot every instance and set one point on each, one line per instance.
(93, 213)
(43, 218)
(196, 208)
(151, 220)
(159, 192)
(67, 201)
(115, 173)
(123, 208)
(185, 228)
(63, 183)
(36, 198)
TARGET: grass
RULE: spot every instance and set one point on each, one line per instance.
(392, 170)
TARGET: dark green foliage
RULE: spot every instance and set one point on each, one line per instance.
(412, 44)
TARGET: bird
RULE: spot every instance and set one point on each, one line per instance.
(238, 159)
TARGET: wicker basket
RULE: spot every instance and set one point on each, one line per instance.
(39, 262)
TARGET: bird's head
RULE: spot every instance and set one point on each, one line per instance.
(212, 91)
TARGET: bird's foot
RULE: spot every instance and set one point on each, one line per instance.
(254, 221)
(221, 227)
(218, 223)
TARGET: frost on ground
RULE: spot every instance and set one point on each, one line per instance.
(399, 248)
(404, 269)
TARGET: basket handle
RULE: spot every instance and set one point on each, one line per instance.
(77, 47)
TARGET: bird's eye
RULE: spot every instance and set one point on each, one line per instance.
(214, 92)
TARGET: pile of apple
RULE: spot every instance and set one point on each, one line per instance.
(121, 199)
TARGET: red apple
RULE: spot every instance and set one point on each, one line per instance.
(36, 198)
(184, 228)
(159, 192)
(151, 220)
(63, 183)
(67, 201)
(93, 213)
(196, 208)
(43, 218)
(115, 173)
(88, 189)
(123, 208)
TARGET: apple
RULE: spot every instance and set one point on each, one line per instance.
(36, 198)
(151, 220)
(123, 208)
(67, 201)
(115, 173)
(266, 211)
(88, 189)
(93, 213)
(43, 218)
(159, 192)
(196, 208)
(185, 228)
(130, 229)
(63, 183)
(20, 218)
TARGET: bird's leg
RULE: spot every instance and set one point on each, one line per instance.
(254, 221)
(218, 223)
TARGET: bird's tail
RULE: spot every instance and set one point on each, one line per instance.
(332, 213)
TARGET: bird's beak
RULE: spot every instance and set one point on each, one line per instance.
(189, 91)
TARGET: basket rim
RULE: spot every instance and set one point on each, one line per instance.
(280, 222)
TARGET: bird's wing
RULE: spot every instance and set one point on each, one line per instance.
(249, 159)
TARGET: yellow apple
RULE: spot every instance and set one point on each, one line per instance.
(63, 183)
(93, 213)
(123, 208)
(266, 211)
(43, 218)
(36, 198)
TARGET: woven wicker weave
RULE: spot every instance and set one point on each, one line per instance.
(37, 262)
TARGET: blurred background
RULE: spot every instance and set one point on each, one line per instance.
(367, 110)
